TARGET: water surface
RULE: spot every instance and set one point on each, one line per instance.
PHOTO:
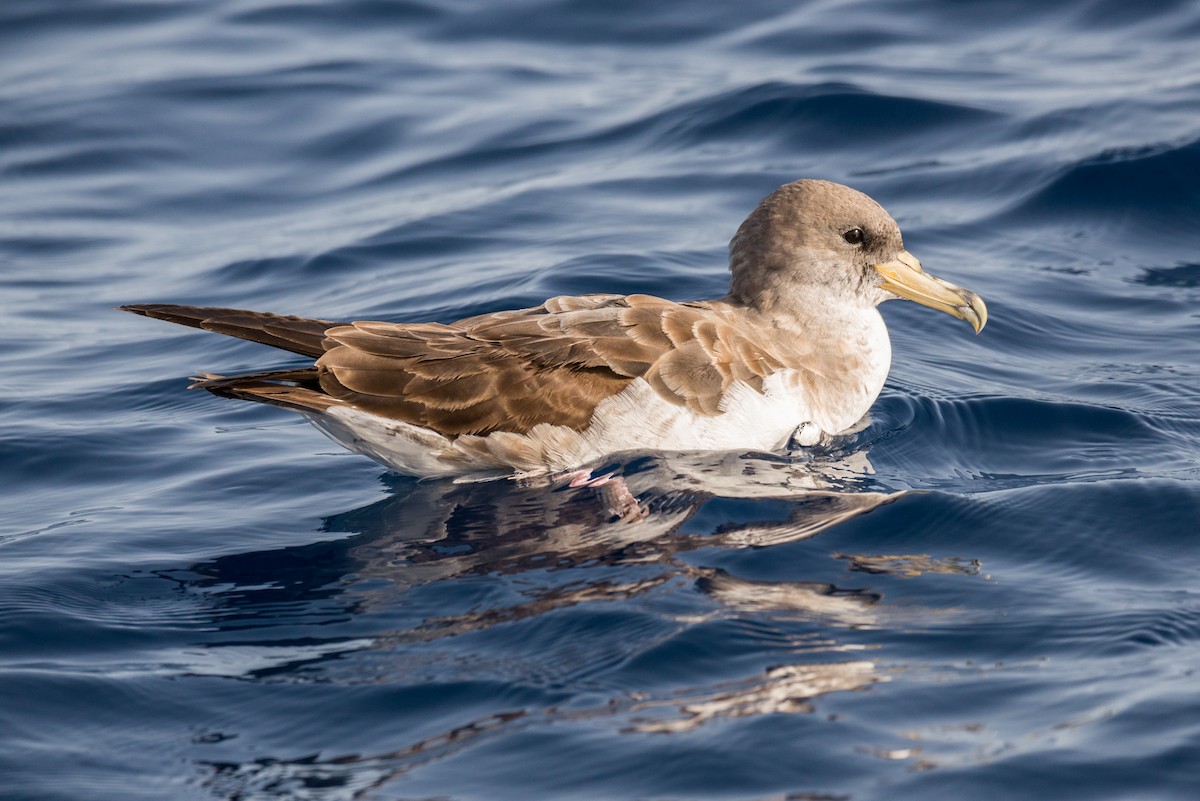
(988, 592)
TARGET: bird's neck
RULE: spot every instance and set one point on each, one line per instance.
(816, 313)
(844, 343)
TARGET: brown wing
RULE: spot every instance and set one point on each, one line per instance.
(510, 371)
(507, 371)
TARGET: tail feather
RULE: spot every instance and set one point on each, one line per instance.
(298, 390)
(308, 377)
(295, 334)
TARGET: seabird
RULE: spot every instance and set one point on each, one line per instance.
(796, 350)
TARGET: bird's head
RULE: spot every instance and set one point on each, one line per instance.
(817, 241)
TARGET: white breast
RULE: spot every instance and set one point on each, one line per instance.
(640, 418)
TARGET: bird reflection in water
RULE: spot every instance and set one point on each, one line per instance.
(532, 549)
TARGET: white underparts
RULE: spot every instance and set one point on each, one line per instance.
(635, 419)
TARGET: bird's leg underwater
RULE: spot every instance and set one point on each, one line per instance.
(614, 493)
(621, 502)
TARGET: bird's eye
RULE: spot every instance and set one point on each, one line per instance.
(854, 236)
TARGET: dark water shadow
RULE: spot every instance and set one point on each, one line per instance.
(437, 561)
(651, 510)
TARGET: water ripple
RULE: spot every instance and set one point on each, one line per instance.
(987, 585)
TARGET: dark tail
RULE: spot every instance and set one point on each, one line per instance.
(296, 334)
(298, 389)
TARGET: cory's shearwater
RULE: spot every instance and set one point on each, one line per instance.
(795, 351)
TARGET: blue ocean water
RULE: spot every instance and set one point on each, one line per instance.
(990, 592)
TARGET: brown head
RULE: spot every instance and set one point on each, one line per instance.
(815, 238)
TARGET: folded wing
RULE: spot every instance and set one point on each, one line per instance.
(508, 371)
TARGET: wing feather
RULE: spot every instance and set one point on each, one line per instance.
(505, 372)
